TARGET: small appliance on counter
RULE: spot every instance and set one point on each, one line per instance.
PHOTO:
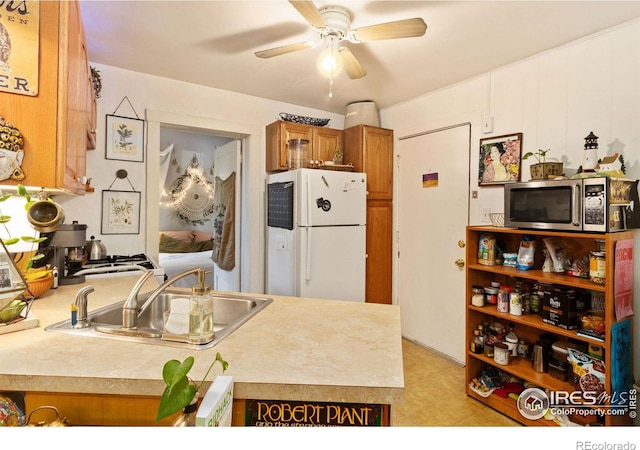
(68, 244)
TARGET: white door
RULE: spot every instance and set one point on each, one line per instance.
(433, 207)
(228, 159)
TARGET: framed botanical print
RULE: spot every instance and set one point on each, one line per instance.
(500, 159)
(120, 212)
(124, 139)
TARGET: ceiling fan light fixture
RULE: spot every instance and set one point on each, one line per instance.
(330, 61)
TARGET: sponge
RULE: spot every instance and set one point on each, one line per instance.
(178, 320)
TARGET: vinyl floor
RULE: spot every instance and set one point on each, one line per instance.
(435, 395)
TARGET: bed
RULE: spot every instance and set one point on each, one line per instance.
(181, 250)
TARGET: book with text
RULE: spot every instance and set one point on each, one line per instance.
(216, 407)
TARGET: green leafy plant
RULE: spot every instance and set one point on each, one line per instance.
(181, 390)
(4, 219)
(540, 155)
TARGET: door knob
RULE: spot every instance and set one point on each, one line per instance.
(460, 262)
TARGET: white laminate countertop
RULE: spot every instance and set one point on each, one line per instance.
(294, 349)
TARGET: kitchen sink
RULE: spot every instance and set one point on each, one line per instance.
(230, 312)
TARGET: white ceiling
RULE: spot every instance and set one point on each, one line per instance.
(212, 43)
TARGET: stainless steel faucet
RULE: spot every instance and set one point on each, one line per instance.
(80, 302)
(130, 307)
(165, 285)
(130, 310)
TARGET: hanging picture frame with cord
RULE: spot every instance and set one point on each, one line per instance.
(499, 159)
(120, 212)
(124, 138)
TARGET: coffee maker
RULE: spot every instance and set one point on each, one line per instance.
(68, 246)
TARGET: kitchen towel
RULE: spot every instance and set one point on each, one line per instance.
(224, 223)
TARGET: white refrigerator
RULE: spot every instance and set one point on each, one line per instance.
(316, 242)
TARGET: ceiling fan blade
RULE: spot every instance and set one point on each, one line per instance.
(277, 51)
(391, 30)
(309, 12)
(351, 65)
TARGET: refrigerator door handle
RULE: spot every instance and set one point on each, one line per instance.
(308, 205)
(307, 262)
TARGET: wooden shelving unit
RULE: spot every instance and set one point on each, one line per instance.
(531, 325)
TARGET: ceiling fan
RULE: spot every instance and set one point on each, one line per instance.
(334, 25)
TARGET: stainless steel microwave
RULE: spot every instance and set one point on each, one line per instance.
(599, 204)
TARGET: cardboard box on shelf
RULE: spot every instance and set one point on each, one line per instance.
(564, 307)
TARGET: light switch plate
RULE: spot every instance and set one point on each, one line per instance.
(487, 125)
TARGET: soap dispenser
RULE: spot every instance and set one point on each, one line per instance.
(200, 313)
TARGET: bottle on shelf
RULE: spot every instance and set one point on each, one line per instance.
(477, 345)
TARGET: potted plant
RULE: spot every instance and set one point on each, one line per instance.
(543, 169)
(180, 391)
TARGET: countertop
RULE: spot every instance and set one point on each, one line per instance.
(294, 349)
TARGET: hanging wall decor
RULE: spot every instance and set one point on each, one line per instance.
(500, 159)
(19, 47)
(11, 152)
(192, 195)
(124, 136)
(120, 209)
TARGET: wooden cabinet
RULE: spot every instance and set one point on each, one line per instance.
(54, 123)
(323, 142)
(378, 287)
(370, 150)
(531, 326)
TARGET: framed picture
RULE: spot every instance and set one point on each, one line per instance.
(120, 212)
(500, 159)
(124, 139)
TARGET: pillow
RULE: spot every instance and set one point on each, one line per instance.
(181, 235)
(200, 236)
(171, 245)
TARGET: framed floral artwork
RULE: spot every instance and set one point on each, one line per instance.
(124, 139)
(500, 159)
(120, 212)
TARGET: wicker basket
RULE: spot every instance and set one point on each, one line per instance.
(497, 219)
(40, 286)
(338, 167)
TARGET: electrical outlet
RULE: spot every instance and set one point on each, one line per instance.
(484, 215)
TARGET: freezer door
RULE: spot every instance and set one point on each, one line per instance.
(327, 197)
(331, 263)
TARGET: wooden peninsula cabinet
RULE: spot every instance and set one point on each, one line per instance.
(370, 150)
(55, 122)
(558, 320)
(323, 142)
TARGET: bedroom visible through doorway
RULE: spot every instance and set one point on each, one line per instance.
(189, 173)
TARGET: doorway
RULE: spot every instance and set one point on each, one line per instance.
(251, 255)
(433, 208)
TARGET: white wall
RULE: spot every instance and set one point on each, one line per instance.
(555, 99)
(180, 99)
